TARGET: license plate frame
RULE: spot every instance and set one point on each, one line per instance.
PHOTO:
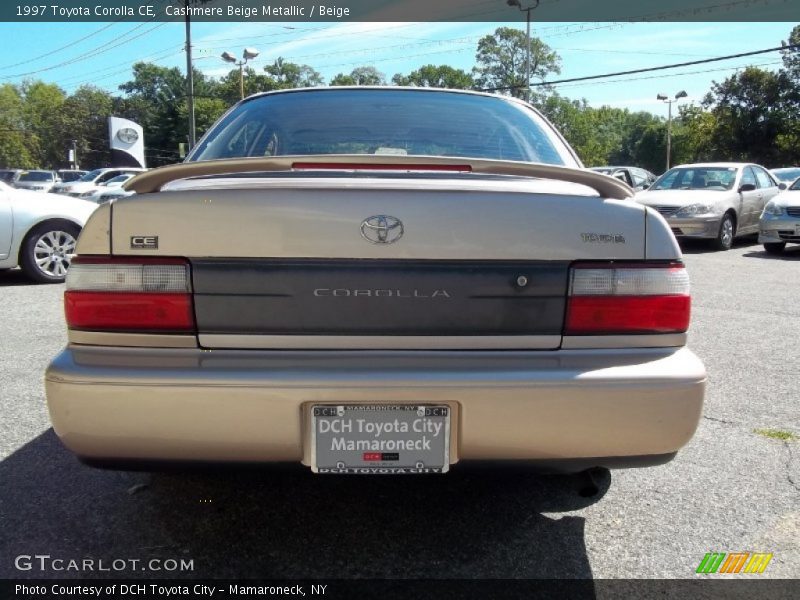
(362, 452)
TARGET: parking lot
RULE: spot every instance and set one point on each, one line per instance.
(731, 489)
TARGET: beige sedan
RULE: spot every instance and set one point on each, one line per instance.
(713, 201)
(429, 279)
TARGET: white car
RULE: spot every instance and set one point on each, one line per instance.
(38, 232)
(780, 221)
(36, 180)
(91, 182)
(111, 185)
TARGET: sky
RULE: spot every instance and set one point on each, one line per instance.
(101, 54)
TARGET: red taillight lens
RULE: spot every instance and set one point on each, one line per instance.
(128, 294)
(628, 299)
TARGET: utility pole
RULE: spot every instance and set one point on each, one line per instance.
(527, 12)
(189, 77)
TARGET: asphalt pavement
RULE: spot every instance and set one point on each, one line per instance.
(730, 490)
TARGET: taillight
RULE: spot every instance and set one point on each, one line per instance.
(129, 294)
(609, 299)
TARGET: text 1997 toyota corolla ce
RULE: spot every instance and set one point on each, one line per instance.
(377, 280)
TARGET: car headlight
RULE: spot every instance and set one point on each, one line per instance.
(694, 210)
(85, 194)
(773, 209)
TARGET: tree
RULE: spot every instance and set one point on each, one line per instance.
(156, 99)
(501, 61)
(755, 117)
(288, 75)
(360, 76)
(14, 151)
(85, 120)
(442, 76)
(42, 114)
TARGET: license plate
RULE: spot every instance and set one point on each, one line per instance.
(380, 439)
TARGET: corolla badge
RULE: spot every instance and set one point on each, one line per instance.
(382, 229)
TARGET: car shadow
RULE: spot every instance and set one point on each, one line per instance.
(15, 277)
(791, 252)
(699, 246)
(289, 523)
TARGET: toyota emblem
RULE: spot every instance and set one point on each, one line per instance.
(382, 229)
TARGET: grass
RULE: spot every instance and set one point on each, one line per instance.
(777, 434)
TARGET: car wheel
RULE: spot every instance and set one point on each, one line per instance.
(775, 247)
(726, 233)
(48, 250)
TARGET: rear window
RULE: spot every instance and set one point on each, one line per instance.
(36, 176)
(399, 122)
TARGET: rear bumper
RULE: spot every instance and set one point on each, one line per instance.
(250, 406)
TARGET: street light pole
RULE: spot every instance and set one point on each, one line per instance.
(247, 54)
(527, 12)
(669, 101)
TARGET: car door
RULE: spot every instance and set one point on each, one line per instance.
(766, 184)
(6, 221)
(748, 201)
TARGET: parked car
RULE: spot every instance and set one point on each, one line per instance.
(9, 176)
(110, 185)
(36, 180)
(69, 175)
(786, 175)
(432, 277)
(38, 232)
(715, 201)
(92, 181)
(113, 194)
(780, 221)
(638, 179)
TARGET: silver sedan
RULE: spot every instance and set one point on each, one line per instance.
(780, 221)
(715, 201)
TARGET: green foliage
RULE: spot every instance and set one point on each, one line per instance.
(441, 76)
(360, 76)
(751, 115)
(501, 61)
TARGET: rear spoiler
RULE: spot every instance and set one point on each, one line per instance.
(153, 180)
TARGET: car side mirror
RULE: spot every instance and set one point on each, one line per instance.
(782, 186)
(747, 187)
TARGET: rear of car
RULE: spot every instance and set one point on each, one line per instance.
(430, 279)
(36, 181)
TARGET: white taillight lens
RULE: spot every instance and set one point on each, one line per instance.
(630, 282)
(128, 277)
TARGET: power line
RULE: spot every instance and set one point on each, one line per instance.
(662, 67)
(59, 49)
